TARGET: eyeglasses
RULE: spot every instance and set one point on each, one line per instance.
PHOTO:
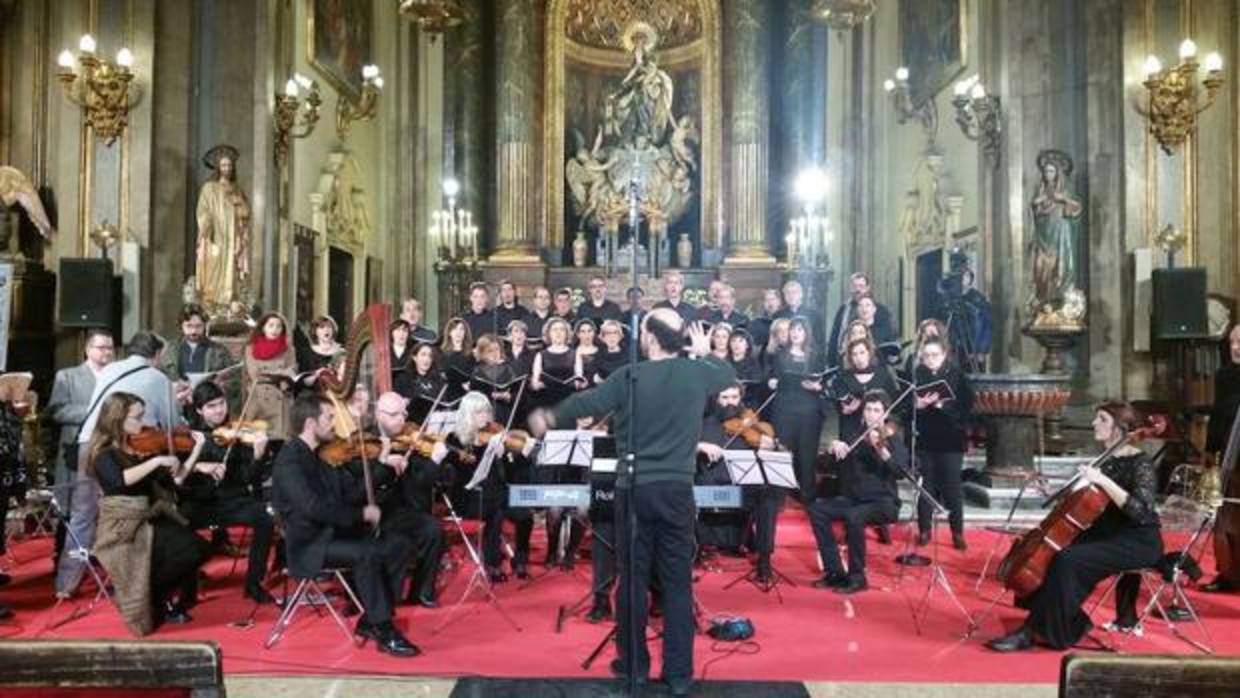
(102, 347)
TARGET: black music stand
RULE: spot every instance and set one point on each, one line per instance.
(764, 469)
(564, 448)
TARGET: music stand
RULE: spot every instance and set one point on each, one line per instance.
(564, 448)
(478, 579)
(599, 467)
(764, 469)
(441, 422)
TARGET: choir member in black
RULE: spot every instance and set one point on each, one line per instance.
(479, 316)
(941, 440)
(540, 313)
(612, 356)
(517, 350)
(930, 327)
(402, 357)
(456, 357)
(868, 495)
(404, 492)
(229, 501)
(1218, 431)
(489, 502)
(727, 312)
(596, 306)
(880, 328)
(411, 312)
(328, 523)
(748, 369)
(720, 335)
(555, 367)
(859, 285)
(776, 341)
(138, 492)
(425, 381)
(862, 373)
(633, 297)
(493, 377)
(586, 350)
(794, 306)
(673, 289)
(509, 308)
(798, 407)
(760, 326)
(324, 349)
(563, 305)
(1127, 537)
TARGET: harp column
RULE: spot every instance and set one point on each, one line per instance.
(517, 111)
(748, 131)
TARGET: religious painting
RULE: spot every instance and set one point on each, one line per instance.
(340, 41)
(932, 44)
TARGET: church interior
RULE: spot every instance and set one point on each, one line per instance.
(1053, 184)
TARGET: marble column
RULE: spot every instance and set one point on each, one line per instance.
(517, 104)
(746, 69)
(470, 117)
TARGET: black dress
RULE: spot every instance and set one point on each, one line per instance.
(608, 362)
(489, 502)
(558, 370)
(458, 366)
(941, 444)
(402, 371)
(176, 552)
(424, 388)
(797, 414)
(850, 385)
(1122, 539)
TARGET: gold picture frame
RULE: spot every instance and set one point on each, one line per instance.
(934, 44)
(339, 41)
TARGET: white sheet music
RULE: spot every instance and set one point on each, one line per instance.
(567, 447)
(441, 422)
(494, 448)
(746, 468)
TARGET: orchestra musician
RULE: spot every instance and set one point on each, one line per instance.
(798, 408)
(223, 497)
(941, 418)
(462, 450)
(1222, 418)
(327, 524)
(868, 471)
(137, 493)
(1126, 537)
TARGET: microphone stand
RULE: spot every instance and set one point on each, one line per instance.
(630, 510)
(910, 557)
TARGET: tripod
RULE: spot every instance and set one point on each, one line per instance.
(937, 578)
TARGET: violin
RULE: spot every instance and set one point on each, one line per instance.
(514, 440)
(339, 452)
(749, 427)
(879, 436)
(154, 441)
(237, 431)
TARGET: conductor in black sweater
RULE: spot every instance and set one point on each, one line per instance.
(672, 394)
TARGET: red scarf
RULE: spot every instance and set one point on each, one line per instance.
(265, 349)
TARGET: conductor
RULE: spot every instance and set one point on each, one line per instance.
(671, 395)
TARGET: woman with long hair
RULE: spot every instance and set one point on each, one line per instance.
(748, 368)
(720, 335)
(1127, 537)
(147, 572)
(492, 376)
(456, 356)
(942, 415)
(269, 371)
(862, 372)
(586, 351)
(777, 339)
(425, 381)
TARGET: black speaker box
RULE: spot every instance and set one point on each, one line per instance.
(88, 293)
(1179, 303)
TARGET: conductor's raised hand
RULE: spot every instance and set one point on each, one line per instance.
(540, 421)
(699, 341)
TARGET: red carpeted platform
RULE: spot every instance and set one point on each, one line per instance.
(812, 635)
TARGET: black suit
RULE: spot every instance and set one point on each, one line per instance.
(323, 527)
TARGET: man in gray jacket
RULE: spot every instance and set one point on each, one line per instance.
(67, 407)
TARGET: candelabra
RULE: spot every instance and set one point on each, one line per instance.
(295, 117)
(926, 113)
(100, 87)
(455, 240)
(843, 15)
(978, 115)
(367, 105)
(1175, 97)
(434, 16)
(808, 234)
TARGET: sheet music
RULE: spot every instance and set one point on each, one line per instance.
(747, 468)
(441, 422)
(567, 447)
(484, 466)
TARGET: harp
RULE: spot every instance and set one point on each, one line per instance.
(367, 361)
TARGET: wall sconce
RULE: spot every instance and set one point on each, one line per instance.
(1175, 98)
(926, 113)
(366, 107)
(289, 107)
(978, 115)
(100, 87)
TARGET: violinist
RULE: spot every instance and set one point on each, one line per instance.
(325, 524)
(941, 441)
(723, 530)
(222, 496)
(868, 468)
(1126, 537)
(463, 451)
(137, 494)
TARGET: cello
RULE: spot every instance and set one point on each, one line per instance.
(1078, 504)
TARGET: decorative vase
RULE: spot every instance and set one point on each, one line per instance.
(684, 251)
(581, 250)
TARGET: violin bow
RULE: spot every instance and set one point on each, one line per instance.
(245, 407)
(757, 412)
(368, 481)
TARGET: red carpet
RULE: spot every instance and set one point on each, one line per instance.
(812, 636)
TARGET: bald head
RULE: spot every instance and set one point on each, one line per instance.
(662, 332)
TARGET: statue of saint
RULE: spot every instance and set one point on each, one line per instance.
(642, 106)
(222, 269)
(1056, 213)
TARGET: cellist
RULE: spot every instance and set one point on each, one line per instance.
(1125, 538)
(1222, 419)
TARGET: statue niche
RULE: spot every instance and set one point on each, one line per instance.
(632, 97)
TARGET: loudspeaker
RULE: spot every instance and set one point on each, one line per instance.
(1179, 303)
(87, 293)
